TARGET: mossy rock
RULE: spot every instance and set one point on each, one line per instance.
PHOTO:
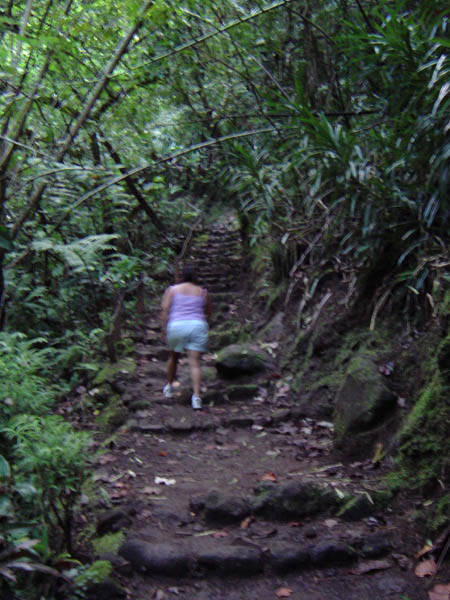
(424, 443)
(357, 508)
(113, 416)
(241, 359)
(109, 372)
(241, 391)
(110, 542)
(363, 404)
(294, 500)
(227, 334)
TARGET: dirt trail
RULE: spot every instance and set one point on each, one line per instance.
(181, 482)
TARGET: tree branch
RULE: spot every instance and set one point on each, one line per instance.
(121, 48)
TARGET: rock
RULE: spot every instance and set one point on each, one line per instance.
(273, 330)
(374, 546)
(285, 558)
(223, 509)
(197, 504)
(356, 508)
(293, 500)
(391, 584)
(238, 422)
(106, 590)
(113, 520)
(241, 359)
(241, 392)
(332, 552)
(138, 404)
(158, 559)
(363, 403)
(232, 560)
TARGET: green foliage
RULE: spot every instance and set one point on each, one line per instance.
(424, 438)
(86, 576)
(110, 542)
(23, 388)
(53, 456)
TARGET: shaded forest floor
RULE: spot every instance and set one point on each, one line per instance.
(177, 480)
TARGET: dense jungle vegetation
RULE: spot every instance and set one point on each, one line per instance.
(324, 125)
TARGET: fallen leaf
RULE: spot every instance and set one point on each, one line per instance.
(426, 568)
(152, 490)
(164, 481)
(378, 453)
(427, 548)
(268, 477)
(106, 458)
(162, 453)
(370, 565)
(220, 534)
(331, 523)
(246, 522)
(325, 424)
(283, 592)
(440, 592)
(295, 524)
(287, 429)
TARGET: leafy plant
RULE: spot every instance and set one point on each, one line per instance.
(54, 457)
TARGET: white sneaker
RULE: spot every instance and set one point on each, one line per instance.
(168, 391)
(196, 402)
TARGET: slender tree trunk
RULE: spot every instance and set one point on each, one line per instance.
(133, 188)
(120, 50)
(2, 291)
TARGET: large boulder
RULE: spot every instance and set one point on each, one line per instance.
(293, 500)
(241, 359)
(363, 404)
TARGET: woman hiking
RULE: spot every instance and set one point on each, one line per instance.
(186, 309)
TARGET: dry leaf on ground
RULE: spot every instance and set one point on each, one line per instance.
(426, 568)
(246, 522)
(152, 490)
(331, 523)
(220, 534)
(283, 592)
(106, 458)
(164, 481)
(268, 477)
(440, 592)
(427, 548)
(370, 565)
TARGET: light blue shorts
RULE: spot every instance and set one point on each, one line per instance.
(188, 334)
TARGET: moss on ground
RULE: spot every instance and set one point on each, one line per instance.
(110, 542)
(423, 461)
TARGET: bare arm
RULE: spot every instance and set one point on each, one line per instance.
(165, 305)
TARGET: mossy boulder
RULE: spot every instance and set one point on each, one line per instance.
(221, 337)
(294, 500)
(113, 416)
(111, 371)
(241, 391)
(363, 404)
(241, 359)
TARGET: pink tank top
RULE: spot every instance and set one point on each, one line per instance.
(184, 306)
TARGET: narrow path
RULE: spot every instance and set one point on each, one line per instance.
(239, 500)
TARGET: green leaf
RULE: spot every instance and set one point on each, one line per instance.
(5, 469)
(5, 239)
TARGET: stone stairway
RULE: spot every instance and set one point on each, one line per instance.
(244, 499)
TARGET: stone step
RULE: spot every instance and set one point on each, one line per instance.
(192, 558)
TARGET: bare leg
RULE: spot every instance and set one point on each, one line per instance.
(196, 373)
(172, 366)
